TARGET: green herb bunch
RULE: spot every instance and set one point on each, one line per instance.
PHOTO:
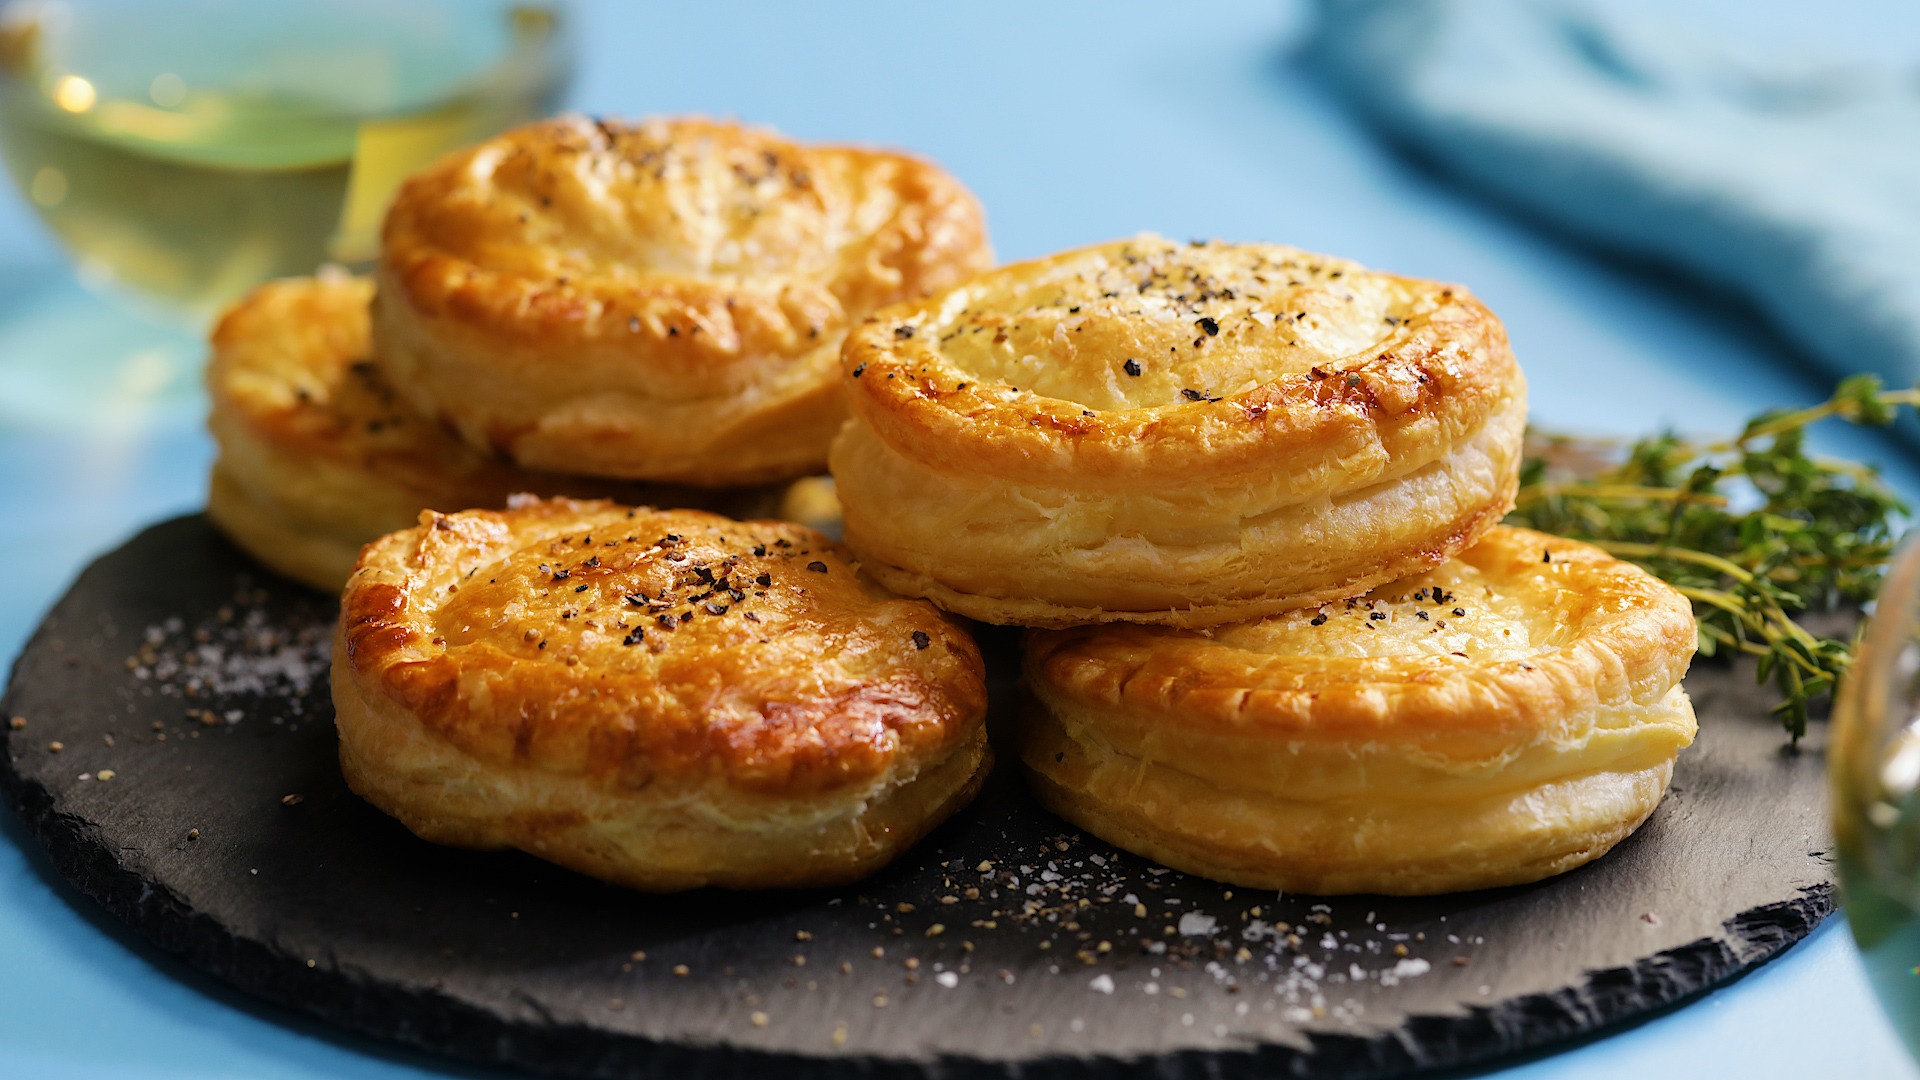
(1754, 530)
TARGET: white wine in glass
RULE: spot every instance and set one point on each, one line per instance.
(185, 150)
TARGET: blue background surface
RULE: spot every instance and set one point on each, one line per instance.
(1074, 124)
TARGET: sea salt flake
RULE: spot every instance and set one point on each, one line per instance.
(1197, 924)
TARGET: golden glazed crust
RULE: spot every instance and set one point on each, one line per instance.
(1507, 716)
(1168, 433)
(659, 300)
(662, 699)
(317, 457)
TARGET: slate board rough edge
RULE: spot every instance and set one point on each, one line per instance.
(1481, 1035)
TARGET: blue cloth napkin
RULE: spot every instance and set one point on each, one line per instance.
(1794, 182)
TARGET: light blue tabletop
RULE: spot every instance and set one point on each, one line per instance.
(1073, 124)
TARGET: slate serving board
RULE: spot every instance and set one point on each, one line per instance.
(195, 794)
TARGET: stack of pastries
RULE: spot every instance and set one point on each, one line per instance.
(1248, 499)
(1245, 498)
(643, 316)
(648, 312)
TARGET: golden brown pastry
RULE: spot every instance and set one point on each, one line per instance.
(1186, 434)
(662, 699)
(318, 458)
(661, 300)
(1505, 717)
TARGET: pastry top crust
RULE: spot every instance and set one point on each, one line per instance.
(291, 362)
(1512, 641)
(1147, 356)
(635, 646)
(705, 246)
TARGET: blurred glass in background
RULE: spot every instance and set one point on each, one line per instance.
(185, 150)
(1875, 770)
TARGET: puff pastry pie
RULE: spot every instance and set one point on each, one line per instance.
(1185, 434)
(1505, 717)
(661, 699)
(661, 300)
(317, 457)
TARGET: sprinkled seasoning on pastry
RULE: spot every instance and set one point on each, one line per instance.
(1185, 434)
(663, 699)
(1497, 720)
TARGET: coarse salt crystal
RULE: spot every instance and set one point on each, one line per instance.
(1197, 924)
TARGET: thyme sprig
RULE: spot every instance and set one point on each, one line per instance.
(1754, 530)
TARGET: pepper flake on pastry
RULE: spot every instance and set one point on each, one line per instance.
(317, 456)
(1506, 717)
(1186, 434)
(658, 300)
(661, 699)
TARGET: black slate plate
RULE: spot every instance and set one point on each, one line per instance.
(1005, 944)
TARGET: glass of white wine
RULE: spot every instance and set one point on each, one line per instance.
(185, 150)
(1874, 765)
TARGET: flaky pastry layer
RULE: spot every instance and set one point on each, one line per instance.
(662, 699)
(1506, 716)
(660, 300)
(1184, 434)
(317, 456)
